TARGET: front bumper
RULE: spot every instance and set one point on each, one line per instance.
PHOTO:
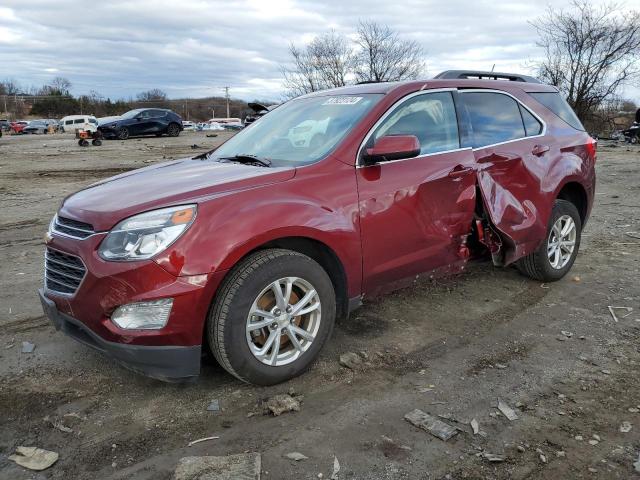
(108, 132)
(166, 363)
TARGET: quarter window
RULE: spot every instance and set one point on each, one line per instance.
(495, 118)
(79, 120)
(531, 124)
(431, 117)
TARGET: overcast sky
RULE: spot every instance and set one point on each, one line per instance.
(194, 48)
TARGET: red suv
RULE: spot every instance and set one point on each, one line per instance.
(253, 250)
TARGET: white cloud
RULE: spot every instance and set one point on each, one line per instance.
(195, 47)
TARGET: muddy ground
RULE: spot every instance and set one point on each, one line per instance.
(450, 348)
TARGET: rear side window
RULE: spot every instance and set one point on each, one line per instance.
(431, 117)
(495, 118)
(531, 124)
(68, 122)
(554, 102)
(79, 120)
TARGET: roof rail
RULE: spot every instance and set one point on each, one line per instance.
(476, 74)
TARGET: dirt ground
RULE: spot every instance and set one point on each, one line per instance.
(449, 348)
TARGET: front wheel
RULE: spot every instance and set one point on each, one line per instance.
(123, 133)
(271, 316)
(173, 130)
(555, 257)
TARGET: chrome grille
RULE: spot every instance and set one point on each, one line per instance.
(72, 228)
(63, 273)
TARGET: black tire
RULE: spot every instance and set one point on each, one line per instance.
(537, 264)
(226, 326)
(83, 142)
(158, 134)
(123, 133)
(173, 130)
(97, 142)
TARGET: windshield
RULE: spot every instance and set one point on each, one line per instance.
(301, 131)
(131, 114)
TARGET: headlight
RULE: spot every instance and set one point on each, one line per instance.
(145, 235)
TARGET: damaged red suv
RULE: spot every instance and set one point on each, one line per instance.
(254, 249)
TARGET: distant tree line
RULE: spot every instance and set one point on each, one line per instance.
(54, 100)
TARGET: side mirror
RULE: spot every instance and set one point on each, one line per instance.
(392, 147)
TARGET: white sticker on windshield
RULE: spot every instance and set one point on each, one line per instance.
(342, 100)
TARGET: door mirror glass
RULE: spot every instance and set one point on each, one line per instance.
(392, 147)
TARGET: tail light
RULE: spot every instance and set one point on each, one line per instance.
(592, 147)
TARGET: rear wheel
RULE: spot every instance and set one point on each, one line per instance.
(173, 130)
(555, 257)
(96, 142)
(83, 142)
(272, 316)
(123, 133)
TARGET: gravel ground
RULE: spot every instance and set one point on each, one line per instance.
(450, 347)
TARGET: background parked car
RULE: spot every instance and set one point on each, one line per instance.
(35, 127)
(72, 123)
(258, 110)
(17, 127)
(187, 125)
(143, 121)
(5, 125)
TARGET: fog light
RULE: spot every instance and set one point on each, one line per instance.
(143, 315)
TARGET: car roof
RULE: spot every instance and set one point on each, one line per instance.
(433, 83)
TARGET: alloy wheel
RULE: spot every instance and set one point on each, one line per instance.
(561, 242)
(283, 321)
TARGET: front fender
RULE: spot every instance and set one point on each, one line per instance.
(233, 224)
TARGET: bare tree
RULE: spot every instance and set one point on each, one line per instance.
(153, 95)
(590, 52)
(383, 56)
(8, 86)
(325, 63)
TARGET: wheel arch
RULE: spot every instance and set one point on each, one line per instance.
(574, 192)
(314, 248)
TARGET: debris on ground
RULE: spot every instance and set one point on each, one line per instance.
(297, 456)
(214, 406)
(231, 467)
(492, 457)
(336, 468)
(57, 424)
(212, 135)
(280, 404)
(205, 439)
(613, 313)
(350, 360)
(34, 458)
(625, 427)
(507, 411)
(566, 334)
(431, 424)
(28, 347)
(475, 426)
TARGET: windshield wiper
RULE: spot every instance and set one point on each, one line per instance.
(246, 158)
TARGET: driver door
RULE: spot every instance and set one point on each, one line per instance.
(416, 213)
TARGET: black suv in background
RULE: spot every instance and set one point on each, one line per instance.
(142, 121)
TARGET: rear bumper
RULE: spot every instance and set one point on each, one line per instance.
(166, 363)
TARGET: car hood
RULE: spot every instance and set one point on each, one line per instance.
(105, 203)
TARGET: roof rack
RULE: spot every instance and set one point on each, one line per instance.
(476, 74)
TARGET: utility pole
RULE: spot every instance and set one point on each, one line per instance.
(226, 94)
(213, 113)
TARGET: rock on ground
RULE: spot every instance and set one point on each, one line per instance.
(245, 466)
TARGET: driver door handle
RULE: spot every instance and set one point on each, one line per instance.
(459, 171)
(540, 150)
